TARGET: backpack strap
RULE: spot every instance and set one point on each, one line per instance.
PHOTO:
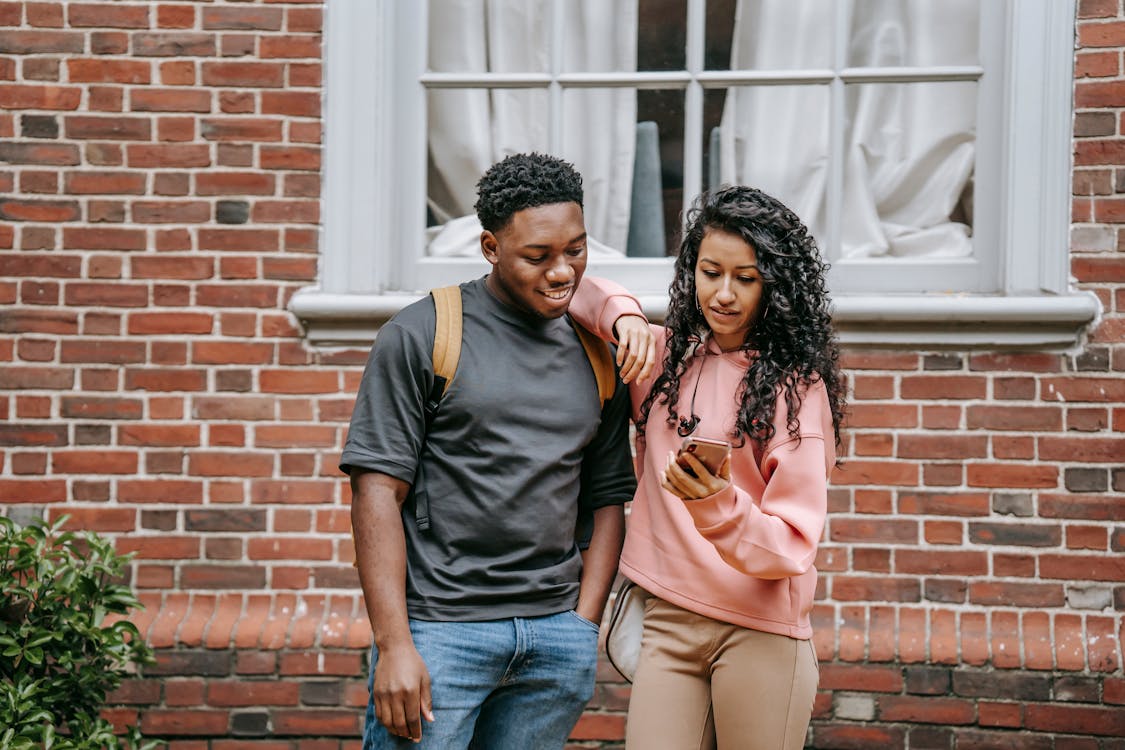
(446, 354)
(447, 336)
(601, 359)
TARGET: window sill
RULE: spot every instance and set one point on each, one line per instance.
(902, 321)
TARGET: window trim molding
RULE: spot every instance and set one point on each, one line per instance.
(374, 161)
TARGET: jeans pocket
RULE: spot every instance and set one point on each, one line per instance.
(588, 623)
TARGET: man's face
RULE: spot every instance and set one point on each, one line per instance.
(538, 258)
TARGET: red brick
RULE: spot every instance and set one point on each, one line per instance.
(169, 100)
(173, 44)
(247, 693)
(1077, 719)
(303, 46)
(171, 212)
(243, 74)
(1037, 418)
(108, 71)
(239, 464)
(235, 183)
(1086, 449)
(105, 183)
(294, 103)
(241, 129)
(1010, 594)
(290, 157)
(291, 491)
(317, 722)
(38, 210)
(932, 562)
(97, 407)
(1037, 645)
(240, 240)
(925, 709)
(942, 386)
(14, 42)
(184, 722)
(160, 491)
(1011, 475)
(289, 549)
(168, 155)
(145, 323)
(100, 15)
(245, 18)
(881, 415)
(942, 446)
(39, 321)
(175, 16)
(899, 473)
(93, 462)
(1082, 567)
(80, 238)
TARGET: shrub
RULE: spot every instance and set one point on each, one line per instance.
(58, 658)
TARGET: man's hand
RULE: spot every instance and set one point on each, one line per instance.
(401, 691)
(636, 348)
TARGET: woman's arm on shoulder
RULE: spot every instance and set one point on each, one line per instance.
(613, 314)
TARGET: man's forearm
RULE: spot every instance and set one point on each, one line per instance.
(599, 561)
(380, 550)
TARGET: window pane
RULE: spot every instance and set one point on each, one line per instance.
(628, 145)
(469, 130)
(771, 34)
(600, 36)
(501, 37)
(775, 138)
(662, 35)
(908, 170)
(892, 33)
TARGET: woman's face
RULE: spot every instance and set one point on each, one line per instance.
(728, 286)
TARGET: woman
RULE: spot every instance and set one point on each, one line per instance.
(749, 356)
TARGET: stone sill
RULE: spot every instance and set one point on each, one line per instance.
(1055, 322)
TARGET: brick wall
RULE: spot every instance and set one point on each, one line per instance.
(159, 186)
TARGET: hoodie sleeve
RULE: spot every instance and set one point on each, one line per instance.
(778, 536)
(598, 303)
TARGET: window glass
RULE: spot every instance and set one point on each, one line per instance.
(908, 170)
(497, 37)
(893, 33)
(771, 34)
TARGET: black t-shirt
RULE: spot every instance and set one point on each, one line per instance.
(517, 444)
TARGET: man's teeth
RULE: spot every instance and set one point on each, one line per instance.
(561, 294)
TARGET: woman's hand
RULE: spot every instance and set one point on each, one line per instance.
(636, 348)
(679, 481)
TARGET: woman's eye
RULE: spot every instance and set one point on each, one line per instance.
(747, 279)
(537, 259)
(711, 274)
(574, 252)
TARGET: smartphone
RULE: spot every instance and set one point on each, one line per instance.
(710, 453)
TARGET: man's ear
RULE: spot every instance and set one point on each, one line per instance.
(489, 247)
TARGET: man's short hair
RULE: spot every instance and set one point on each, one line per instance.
(524, 181)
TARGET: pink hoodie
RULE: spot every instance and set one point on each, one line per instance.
(743, 555)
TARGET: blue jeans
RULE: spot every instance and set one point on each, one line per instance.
(499, 685)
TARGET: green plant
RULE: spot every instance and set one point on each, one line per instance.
(58, 658)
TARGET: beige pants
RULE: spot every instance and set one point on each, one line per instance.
(704, 684)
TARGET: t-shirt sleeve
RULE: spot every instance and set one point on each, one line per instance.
(388, 423)
(607, 463)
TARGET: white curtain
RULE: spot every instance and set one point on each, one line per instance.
(909, 148)
(470, 129)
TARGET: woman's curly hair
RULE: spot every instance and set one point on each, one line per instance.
(525, 181)
(793, 337)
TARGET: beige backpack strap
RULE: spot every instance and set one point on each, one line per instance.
(447, 332)
(601, 359)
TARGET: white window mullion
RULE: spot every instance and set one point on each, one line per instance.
(837, 125)
(554, 89)
(693, 103)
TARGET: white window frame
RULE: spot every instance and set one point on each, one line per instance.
(371, 256)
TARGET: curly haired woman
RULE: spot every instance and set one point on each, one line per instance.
(748, 356)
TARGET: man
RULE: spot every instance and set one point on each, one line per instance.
(486, 617)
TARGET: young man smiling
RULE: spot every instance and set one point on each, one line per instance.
(486, 621)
